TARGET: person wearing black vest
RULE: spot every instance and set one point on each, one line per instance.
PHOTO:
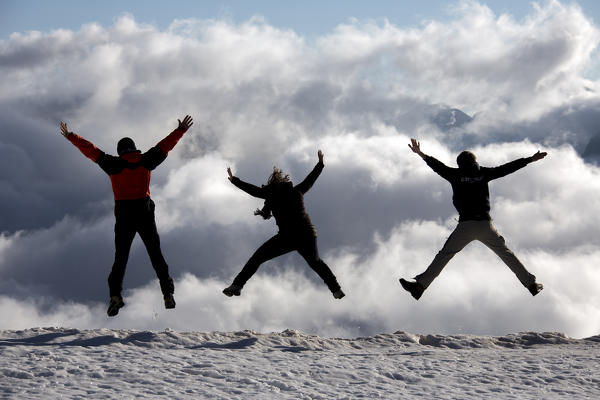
(471, 198)
(130, 173)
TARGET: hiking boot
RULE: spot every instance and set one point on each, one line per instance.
(534, 288)
(415, 288)
(232, 290)
(338, 294)
(169, 301)
(115, 303)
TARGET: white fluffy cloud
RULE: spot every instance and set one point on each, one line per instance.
(262, 96)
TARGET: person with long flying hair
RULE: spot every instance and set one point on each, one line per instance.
(285, 202)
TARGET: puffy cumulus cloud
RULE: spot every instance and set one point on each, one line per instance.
(480, 61)
(199, 193)
(262, 96)
(475, 294)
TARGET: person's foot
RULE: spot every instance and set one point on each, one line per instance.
(338, 294)
(414, 288)
(115, 303)
(232, 290)
(535, 288)
(169, 301)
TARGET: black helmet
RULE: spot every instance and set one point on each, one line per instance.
(125, 145)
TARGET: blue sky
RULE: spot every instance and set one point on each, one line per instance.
(310, 17)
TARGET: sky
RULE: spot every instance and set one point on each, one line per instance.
(266, 88)
(309, 18)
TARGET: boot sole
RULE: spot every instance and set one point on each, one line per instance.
(406, 285)
(114, 310)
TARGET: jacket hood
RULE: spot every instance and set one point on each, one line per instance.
(133, 156)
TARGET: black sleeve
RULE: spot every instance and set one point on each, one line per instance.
(110, 164)
(440, 168)
(153, 158)
(307, 183)
(249, 188)
(508, 168)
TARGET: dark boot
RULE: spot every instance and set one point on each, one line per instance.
(535, 288)
(169, 301)
(232, 290)
(115, 303)
(414, 288)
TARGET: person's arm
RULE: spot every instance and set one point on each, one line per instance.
(307, 183)
(249, 188)
(509, 168)
(439, 167)
(171, 140)
(156, 155)
(87, 148)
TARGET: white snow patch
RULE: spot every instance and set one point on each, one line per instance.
(110, 364)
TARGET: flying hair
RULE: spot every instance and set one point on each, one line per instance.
(277, 177)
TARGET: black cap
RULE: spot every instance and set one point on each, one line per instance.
(125, 145)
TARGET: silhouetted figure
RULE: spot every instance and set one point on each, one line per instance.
(134, 210)
(285, 202)
(472, 201)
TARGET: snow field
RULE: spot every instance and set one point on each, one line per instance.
(64, 363)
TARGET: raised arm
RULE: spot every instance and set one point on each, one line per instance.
(509, 168)
(249, 188)
(307, 183)
(439, 167)
(171, 140)
(87, 148)
(156, 155)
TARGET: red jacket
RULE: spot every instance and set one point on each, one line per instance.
(129, 173)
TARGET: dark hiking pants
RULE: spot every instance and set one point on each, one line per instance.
(278, 245)
(137, 216)
(465, 233)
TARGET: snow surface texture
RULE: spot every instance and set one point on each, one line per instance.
(115, 364)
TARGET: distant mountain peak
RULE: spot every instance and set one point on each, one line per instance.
(448, 118)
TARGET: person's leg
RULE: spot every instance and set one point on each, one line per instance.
(310, 252)
(489, 236)
(149, 234)
(124, 234)
(462, 235)
(274, 247)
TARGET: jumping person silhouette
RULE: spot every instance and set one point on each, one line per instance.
(285, 202)
(471, 199)
(134, 210)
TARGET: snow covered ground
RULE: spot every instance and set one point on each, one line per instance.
(64, 363)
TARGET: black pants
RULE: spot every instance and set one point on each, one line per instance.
(305, 244)
(137, 216)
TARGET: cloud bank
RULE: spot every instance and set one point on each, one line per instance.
(262, 96)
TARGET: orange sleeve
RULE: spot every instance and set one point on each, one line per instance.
(170, 141)
(87, 148)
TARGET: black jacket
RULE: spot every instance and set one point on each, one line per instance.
(285, 201)
(471, 196)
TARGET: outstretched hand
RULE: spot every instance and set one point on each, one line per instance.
(538, 156)
(415, 146)
(64, 130)
(185, 124)
(230, 177)
(320, 155)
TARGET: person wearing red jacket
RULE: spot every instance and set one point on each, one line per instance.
(134, 209)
